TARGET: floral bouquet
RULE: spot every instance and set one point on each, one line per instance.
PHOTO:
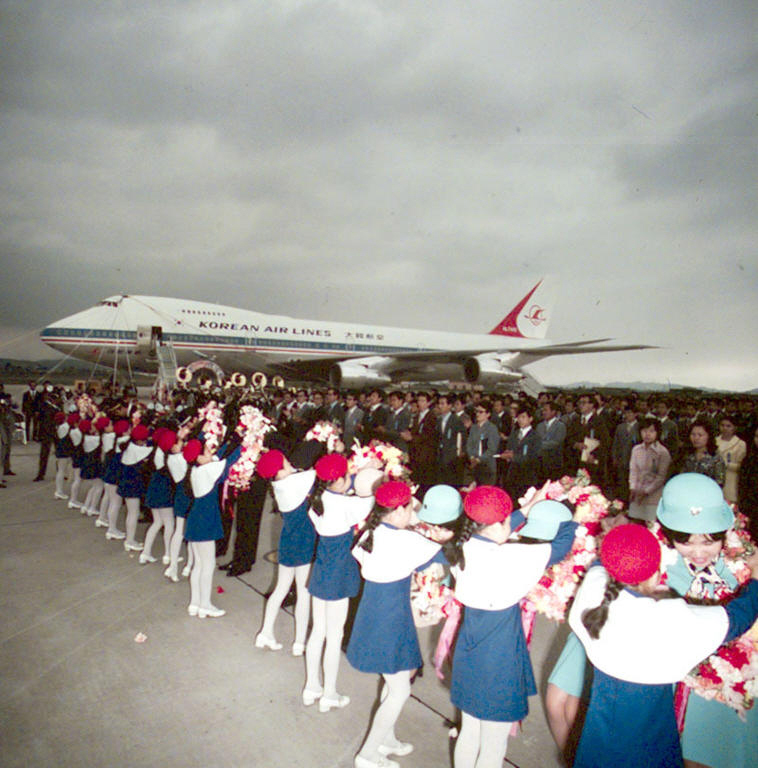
(391, 459)
(213, 424)
(429, 595)
(252, 427)
(85, 406)
(325, 432)
(557, 587)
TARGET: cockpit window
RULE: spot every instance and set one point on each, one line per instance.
(107, 303)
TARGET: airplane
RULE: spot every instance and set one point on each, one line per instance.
(135, 329)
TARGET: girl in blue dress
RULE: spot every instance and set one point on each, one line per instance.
(207, 474)
(76, 437)
(639, 647)
(384, 639)
(335, 577)
(160, 498)
(492, 673)
(92, 466)
(177, 468)
(113, 445)
(297, 546)
(131, 483)
(63, 451)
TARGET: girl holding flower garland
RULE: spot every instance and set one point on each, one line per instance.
(492, 674)
(639, 647)
(384, 639)
(63, 450)
(695, 518)
(297, 541)
(131, 482)
(160, 498)
(335, 577)
(113, 447)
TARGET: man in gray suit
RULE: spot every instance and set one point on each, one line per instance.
(353, 420)
(552, 433)
(398, 420)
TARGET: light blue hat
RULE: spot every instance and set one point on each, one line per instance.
(442, 504)
(544, 519)
(694, 503)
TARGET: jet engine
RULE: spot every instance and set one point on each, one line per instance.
(353, 375)
(489, 370)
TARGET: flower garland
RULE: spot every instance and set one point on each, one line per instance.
(252, 427)
(391, 459)
(557, 587)
(325, 432)
(213, 424)
(85, 406)
(730, 675)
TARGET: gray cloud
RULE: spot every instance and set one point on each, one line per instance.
(393, 163)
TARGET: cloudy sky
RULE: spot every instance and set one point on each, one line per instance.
(405, 162)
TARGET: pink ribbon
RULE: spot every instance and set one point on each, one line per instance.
(451, 609)
(681, 697)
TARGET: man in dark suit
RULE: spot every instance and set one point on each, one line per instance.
(588, 426)
(29, 409)
(334, 410)
(627, 435)
(46, 409)
(451, 446)
(398, 421)
(375, 416)
(422, 444)
(522, 454)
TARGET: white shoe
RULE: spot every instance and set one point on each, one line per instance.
(324, 704)
(145, 558)
(383, 762)
(74, 504)
(93, 512)
(133, 546)
(212, 612)
(61, 496)
(311, 697)
(170, 573)
(115, 535)
(192, 610)
(298, 649)
(166, 559)
(261, 641)
(185, 571)
(101, 523)
(399, 748)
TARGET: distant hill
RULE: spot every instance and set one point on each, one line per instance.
(58, 371)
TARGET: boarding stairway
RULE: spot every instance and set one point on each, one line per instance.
(164, 351)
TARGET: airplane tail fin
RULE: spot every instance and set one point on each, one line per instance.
(530, 318)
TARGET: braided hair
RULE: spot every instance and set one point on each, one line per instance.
(594, 618)
(454, 548)
(315, 496)
(372, 521)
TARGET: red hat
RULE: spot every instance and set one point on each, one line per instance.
(59, 417)
(487, 504)
(101, 423)
(393, 494)
(166, 440)
(630, 553)
(270, 463)
(331, 467)
(73, 419)
(121, 427)
(85, 425)
(157, 432)
(140, 432)
(192, 450)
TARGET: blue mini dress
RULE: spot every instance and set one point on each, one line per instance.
(92, 467)
(160, 489)
(297, 540)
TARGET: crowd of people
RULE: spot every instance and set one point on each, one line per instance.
(375, 487)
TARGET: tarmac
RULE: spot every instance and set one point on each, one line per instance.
(79, 690)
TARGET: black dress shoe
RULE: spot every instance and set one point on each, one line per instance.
(38, 479)
(238, 570)
(10, 472)
(225, 566)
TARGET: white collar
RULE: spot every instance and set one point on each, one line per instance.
(290, 491)
(134, 454)
(91, 442)
(159, 459)
(177, 466)
(205, 476)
